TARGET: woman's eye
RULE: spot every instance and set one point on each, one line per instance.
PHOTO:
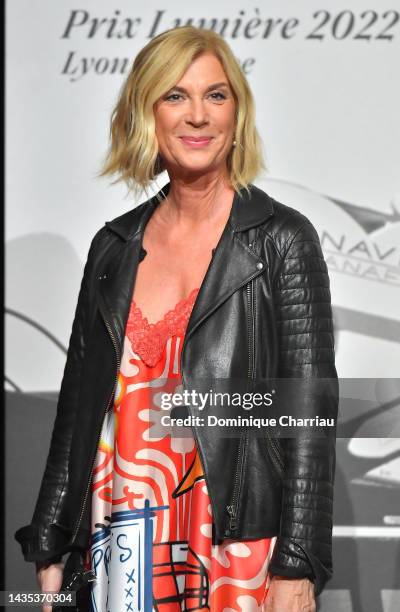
(173, 97)
(218, 95)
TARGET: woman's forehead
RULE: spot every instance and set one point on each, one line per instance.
(204, 70)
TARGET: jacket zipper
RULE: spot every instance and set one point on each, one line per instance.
(99, 435)
(252, 323)
(277, 459)
(232, 508)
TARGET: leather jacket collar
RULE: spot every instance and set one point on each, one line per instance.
(247, 211)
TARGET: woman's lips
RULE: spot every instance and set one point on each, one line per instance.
(196, 142)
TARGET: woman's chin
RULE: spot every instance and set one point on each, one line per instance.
(197, 168)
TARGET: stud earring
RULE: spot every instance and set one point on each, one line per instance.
(234, 143)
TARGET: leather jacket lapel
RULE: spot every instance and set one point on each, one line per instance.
(119, 272)
(116, 287)
(232, 266)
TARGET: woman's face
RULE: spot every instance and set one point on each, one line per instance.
(195, 120)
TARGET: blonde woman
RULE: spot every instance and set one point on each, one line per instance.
(211, 278)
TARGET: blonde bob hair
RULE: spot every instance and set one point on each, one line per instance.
(133, 151)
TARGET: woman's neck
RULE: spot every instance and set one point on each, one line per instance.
(200, 200)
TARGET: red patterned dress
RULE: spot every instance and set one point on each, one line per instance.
(151, 546)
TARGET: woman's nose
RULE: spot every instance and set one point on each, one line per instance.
(197, 114)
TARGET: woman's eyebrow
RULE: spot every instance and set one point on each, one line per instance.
(209, 88)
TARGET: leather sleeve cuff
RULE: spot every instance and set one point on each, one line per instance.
(40, 543)
(292, 572)
(291, 559)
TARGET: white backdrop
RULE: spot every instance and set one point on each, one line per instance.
(327, 109)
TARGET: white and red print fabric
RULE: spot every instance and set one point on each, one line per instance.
(151, 545)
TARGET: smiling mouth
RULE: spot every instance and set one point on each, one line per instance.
(196, 140)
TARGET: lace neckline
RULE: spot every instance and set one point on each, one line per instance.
(149, 339)
(177, 306)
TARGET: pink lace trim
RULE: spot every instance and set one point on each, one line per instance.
(149, 339)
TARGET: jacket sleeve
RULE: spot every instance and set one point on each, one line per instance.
(43, 538)
(306, 353)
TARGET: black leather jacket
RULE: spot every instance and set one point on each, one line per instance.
(264, 308)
